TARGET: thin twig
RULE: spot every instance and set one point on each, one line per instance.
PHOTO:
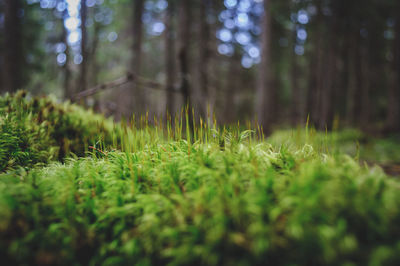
(128, 78)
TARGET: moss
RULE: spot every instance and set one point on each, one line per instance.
(39, 130)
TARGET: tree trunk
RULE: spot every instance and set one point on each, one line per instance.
(232, 84)
(393, 111)
(1, 51)
(340, 94)
(315, 114)
(204, 59)
(183, 53)
(365, 107)
(360, 97)
(325, 113)
(351, 82)
(84, 53)
(296, 111)
(94, 65)
(67, 72)
(137, 98)
(170, 56)
(328, 78)
(13, 54)
(264, 96)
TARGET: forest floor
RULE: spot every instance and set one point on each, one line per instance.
(76, 188)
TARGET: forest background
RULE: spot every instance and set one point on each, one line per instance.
(334, 62)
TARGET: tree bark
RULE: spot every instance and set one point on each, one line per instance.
(94, 65)
(393, 111)
(170, 67)
(317, 73)
(84, 53)
(351, 82)
(137, 98)
(204, 58)
(183, 53)
(1, 52)
(13, 54)
(327, 78)
(232, 84)
(325, 112)
(67, 72)
(296, 97)
(264, 96)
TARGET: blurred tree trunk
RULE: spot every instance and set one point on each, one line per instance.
(296, 97)
(94, 64)
(183, 53)
(363, 76)
(204, 54)
(328, 78)
(13, 54)
(341, 93)
(265, 103)
(68, 93)
(393, 110)
(325, 101)
(170, 67)
(1, 50)
(359, 100)
(83, 66)
(232, 86)
(359, 83)
(316, 69)
(138, 99)
(351, 82)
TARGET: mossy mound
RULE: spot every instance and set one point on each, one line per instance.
(39, 130)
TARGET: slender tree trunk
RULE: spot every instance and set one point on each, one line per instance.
(312, 87)
(84, 53)
(1, 51)
(366, 108)
(319, 76)
(393, 111)
(264, 96)
(296, 111)
(138, 97)
(359, 82)
(328, 78)
(233, 82)
(340, 94)
(94, 66)
(13, 54)
(351, 82)
(67, 72)
(360, 99)
(214, 68)
(204, 53)
(183, 53)
(170, 67)
(326, 96)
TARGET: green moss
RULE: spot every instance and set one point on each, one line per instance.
(150, 195)
(161, 205)
(39, 130)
